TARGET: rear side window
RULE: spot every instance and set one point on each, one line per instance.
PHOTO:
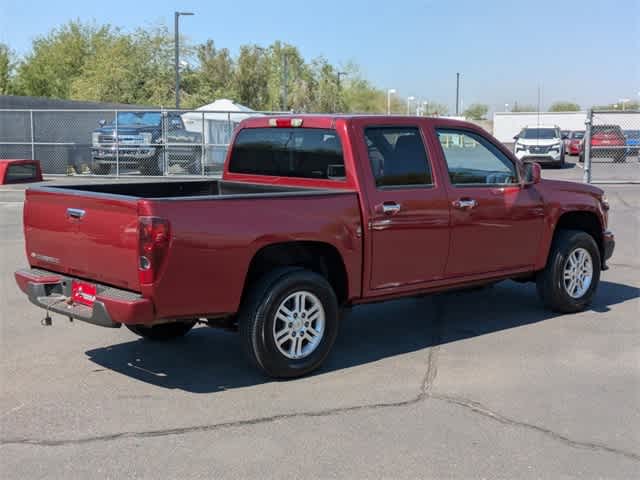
(20, 173)
(398, 157)
(288, 152)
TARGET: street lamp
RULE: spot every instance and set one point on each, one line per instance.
(176, 19)
(390, 92)
(623, 101)
(506, 107)
(409, 100)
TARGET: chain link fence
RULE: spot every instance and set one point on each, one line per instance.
(611, 146)
(120, 142)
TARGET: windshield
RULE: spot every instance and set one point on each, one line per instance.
(578, 135)
(538, 133)
(139, 118)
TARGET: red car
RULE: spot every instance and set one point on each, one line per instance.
(574, 142)
(313, 214)
(607, 142)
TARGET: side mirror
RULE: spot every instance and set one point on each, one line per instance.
(102, 122)
(532, 173)
(516, 137)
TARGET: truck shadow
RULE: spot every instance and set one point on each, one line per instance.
(208, 360)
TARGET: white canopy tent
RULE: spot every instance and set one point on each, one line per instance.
(217, 121)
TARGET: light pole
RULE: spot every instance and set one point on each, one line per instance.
(176, 20)
(339, 75)
(457, 94)
(409, 100)
(623, 101)
(506, 107)
(390, 92)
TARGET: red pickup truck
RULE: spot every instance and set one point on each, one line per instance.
(313, 214)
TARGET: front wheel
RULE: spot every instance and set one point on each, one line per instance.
(164, 331)
(570, 278)
(289, 322)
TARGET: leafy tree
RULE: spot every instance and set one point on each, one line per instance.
(251, 77)
(435, 109)
(58, 58)
(633, 105)
(214, 78)
(476, 111)
(563, 106)
(7, 64)
(523, 107)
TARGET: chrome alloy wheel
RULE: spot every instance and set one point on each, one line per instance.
(299, 325)
(578, 273)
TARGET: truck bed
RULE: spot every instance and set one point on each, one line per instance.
(91, 232)
(184, 189)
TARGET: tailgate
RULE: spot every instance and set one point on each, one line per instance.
(83, 235)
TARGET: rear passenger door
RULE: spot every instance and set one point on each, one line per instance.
(408, 210)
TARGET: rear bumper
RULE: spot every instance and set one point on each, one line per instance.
(111, 308)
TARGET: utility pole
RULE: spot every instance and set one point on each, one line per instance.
(337, 102)
(457, 94)
(176, 26)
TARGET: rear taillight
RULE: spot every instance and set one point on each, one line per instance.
(153, 244)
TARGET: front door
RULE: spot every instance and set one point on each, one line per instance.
(409, 212)
(496, 222)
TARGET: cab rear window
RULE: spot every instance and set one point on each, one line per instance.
(288, 152)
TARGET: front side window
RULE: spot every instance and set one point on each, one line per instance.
(474, 161)
(398, 157)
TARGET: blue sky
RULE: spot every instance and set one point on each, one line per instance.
(585, 51)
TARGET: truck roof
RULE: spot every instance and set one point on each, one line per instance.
(325, 120)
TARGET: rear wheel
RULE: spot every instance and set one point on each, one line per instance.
(570, 278)
(152, 166)
(164, 331)
(289, 322)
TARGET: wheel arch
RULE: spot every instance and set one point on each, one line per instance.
(320, 257)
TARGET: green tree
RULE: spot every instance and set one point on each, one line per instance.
(564, 106)
(58, 58)
(435, 109)
(251, 76)
(214, 77)
(7, 64)
(476, 111)
(523, 107)
(632, 105)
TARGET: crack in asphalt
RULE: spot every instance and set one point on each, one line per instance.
(480, 409)
(425, 393)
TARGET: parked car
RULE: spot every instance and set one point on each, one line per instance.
(313, 214)
(633, 141)
(607, 141)
(540, 143)
(146, 140)
(574, 142)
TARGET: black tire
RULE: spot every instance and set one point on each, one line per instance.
(550, 281)
(620, 157)
(257, 316)
(164, 331)
(151, 166)
(100, 168)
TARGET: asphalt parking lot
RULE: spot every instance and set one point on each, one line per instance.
(482, 384)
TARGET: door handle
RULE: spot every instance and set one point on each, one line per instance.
(75, 213)
(389, 208)
(465, 203)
